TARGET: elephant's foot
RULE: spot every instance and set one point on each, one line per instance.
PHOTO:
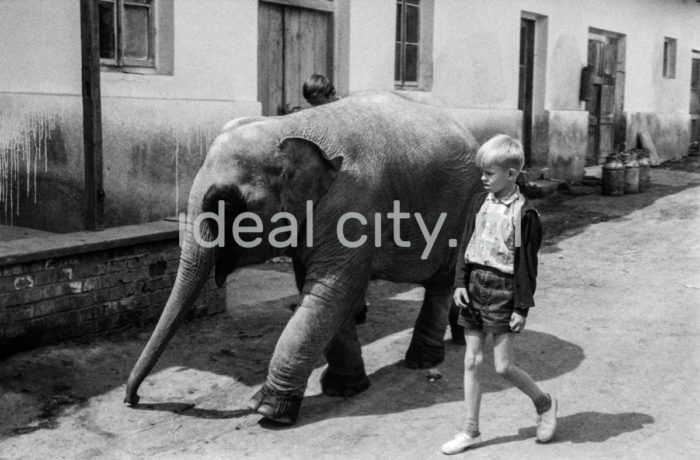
(278, 408)
(421, 355)
(334, 384)
(456, 331)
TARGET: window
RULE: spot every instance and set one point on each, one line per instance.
(127, 33)
(406, 66)
(669, 70)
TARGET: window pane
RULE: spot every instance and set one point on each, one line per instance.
(412, 22)
(411, 63)
(413, 2)
(106, 17)
(136, 25)
(399, 10)
(695, 74)
(139, 2)
(397, 63)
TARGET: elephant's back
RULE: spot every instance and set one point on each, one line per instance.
(386, 126)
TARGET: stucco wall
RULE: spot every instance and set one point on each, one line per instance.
(156, 128)
(372, 38)
(476, 51)
(41, 161)
(152, 153)
(40, 50)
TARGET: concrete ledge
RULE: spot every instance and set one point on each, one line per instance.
(59, 245)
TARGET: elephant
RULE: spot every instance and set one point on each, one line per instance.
(351, 161)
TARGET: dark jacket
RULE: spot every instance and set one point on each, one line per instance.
(525, 269)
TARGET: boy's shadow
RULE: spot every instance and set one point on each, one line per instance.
(584, 427)
(544, 356)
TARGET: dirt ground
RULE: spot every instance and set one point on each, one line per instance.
(615, 337)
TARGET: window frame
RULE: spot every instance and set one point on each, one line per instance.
(124, 63)
(670, 53)
(401, 82)
(424, 63)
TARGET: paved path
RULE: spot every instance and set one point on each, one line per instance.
(615, 336)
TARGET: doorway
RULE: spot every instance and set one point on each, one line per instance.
(527, 59)
(695, 98)
(295, 40)
(606, 120)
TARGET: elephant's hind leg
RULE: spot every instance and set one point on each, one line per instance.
(427, 347)
(345, 375)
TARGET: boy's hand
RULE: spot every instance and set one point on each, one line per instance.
(517, 322)
(460, 297)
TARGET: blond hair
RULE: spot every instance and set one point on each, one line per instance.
(503, 151)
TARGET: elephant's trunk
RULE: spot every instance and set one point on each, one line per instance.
(195, 265)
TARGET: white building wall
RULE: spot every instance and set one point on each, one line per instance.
(156, 128)
(40, 46)
(372, 38)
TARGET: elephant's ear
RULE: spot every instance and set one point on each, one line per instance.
(304, 173)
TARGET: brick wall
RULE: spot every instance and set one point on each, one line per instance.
(70, 286)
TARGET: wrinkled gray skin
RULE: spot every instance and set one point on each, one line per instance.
(358, 154)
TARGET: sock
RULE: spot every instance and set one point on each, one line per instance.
(472, 427)
(543, 403)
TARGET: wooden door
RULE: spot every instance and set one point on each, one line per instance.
(605, 106)
(293, 43)
(527, 59)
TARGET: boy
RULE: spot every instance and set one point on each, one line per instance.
(495, 283)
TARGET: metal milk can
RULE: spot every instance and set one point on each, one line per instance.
(631, 173)
(644, 167)
(613, 176)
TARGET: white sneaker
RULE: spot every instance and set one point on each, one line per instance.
(461, 442)
(547, 422)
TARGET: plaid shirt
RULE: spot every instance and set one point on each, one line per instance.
(493, 241)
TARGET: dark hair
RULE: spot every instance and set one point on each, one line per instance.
(318, 85)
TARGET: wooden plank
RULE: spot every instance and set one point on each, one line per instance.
(270, 58)
(293, 80)
(318, 5)
(92, 115)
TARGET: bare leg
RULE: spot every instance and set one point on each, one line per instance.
(505, 367)
(473, 364)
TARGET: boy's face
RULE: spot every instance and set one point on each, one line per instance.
(497, 179)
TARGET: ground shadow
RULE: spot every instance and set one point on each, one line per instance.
(240, 345)
(192, 410)
(395, 387)
(584, 427)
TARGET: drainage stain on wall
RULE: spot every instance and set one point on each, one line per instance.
(149, 162)
(149, 169)
(196, 140)
(24, 145)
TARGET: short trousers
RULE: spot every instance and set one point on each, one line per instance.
(491, 302)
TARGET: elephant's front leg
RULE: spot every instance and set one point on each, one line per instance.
(427, 347)
(317, 320)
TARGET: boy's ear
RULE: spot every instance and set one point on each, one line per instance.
(512, 173)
